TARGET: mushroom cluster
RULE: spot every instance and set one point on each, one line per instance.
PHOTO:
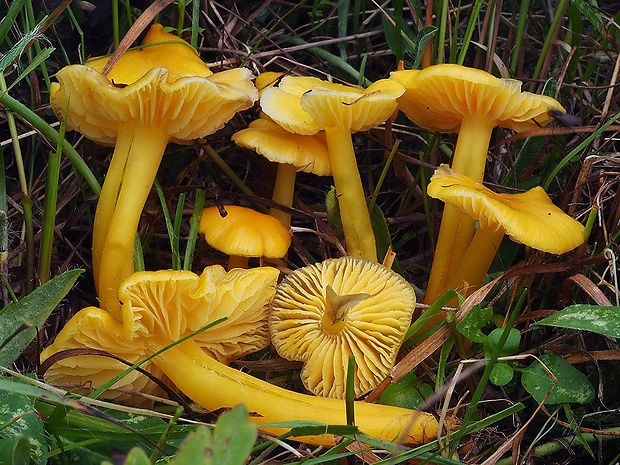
(321, 314)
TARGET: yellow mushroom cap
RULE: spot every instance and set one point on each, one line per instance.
(306, 153)
(440, 96)
(171, 91)
(306, 105)
(159, 49)
(95, 329)
(158, 308)
(324, 313)
(244, 232)
(529, 218)
(167, 305)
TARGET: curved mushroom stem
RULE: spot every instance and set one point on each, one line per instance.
(215, 385)
(108, 196)
(358, 233)
(477, 260)
(117, 263)
(284, 192)
(457, 228)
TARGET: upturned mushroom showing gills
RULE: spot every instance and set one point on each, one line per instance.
(324, 313)
(157, 94)
(293, 153)
(174, 303)
(454, 98)
(155, 315)
(243, 233)
(308, 105)
(529, 218)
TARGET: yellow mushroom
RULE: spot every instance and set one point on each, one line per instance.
(528, 218)
(243, 233)
(156, 314)
(454, 98)
(324, 313)
(293, 153)
(306, 105)
(157, 94)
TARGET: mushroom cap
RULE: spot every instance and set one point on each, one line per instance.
(324, 313)
(267, 79)
(529, 218)
(159, 49)
(167, 305)
(158, 308)
(94, 328)
(306, 153)
(244, 232)
(171, 91)
(306, 105)
(440, 96)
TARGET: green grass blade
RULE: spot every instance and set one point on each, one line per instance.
(190, 246)
(49, 209)
(169, 226)
(50, 133)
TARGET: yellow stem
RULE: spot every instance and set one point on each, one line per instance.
(358, 233)
(108, 195)
(284, 192)
(468, 275)
(117, 261)
(237, 261)
(457, 228)
(215, 385)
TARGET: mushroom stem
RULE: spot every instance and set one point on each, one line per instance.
(107, 198)
(358, 233)
(284, 192)
(457, 228)
(215, 385)
(117, 260)
(477, 260)
(237, 261)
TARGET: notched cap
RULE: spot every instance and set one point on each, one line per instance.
(306, 153)
(244, 232)
(171, 94)
(306, 105)
(440, 96)
(529, 218)
(324, 313)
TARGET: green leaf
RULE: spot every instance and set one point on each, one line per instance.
(20, 419)
(511, 346)
(15, 451)
(406, 393)
(572, 385)
(471, 326)
(593, 318)
(501, 374)
(333, 212)
(230, 442)
(19, 321)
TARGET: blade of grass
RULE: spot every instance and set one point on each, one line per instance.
(469, 32)
(50, 133)
(577, 151)
(7, 22)
(4, 234)
(26, 201)
(549, 39)
(176, 233)
(49, 209)
(174, 243)
(190, 246)
(350, 391)
(519, 34)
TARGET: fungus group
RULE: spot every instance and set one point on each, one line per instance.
(321, 314)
